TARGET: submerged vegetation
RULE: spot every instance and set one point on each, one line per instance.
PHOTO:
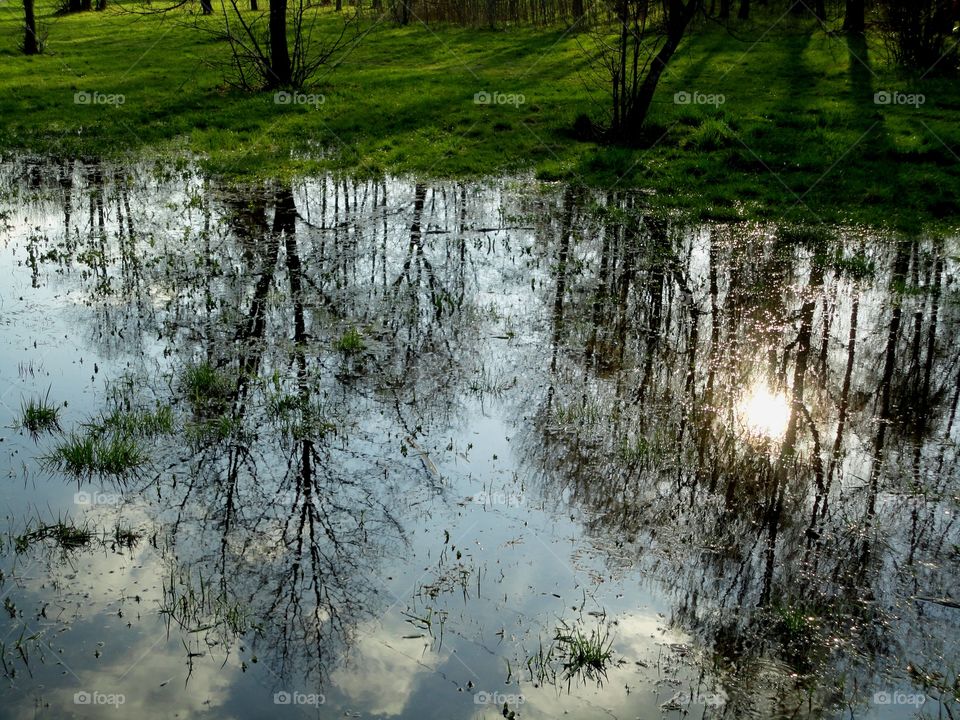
(84, 454)
(733, 440)
(63, 534)
(208, 389)
(351, 342)
(38, 415)
(573, 654)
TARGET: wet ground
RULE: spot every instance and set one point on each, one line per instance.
(384, 449)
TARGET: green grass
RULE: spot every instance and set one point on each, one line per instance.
(39, 415)
(573, 653)
(798, 136)
(138, 422)
(208, 389)
(82, 455)
(584, 653)
(351, 342)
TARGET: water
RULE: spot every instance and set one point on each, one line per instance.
(399, 449)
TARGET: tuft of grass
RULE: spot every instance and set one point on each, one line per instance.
(582, 653)
(208, 389)
(39, 415)
(84, 455)
(64, 534)
(139, 423)
(351, 342)
(118, 454)
(77, 454)
(213, 430)
(578, 654)
(124, 536)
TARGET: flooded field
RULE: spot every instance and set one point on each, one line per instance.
(387, 449)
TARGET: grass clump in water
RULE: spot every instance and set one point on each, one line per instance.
(576, 653)
(351, 342)
(582, 653)
(207, 388)
(140, 423)
(39, 415)
(64, 534)
(84, 455)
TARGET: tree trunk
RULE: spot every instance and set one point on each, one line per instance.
(85, 5)
(280, 70)
(744, 12)
(853, 22)
(724, 9)
(339, 5)
(492, 14)
(30, 44)
(680, 16)
(206, 7)
(577, 10)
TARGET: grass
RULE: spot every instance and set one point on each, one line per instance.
(798, 136)
(351, 342)
(38, 415)
(126, 537)
(198, 605)
(82, 455)
(65, 535)
(578, 654)
(584, 653)
(208, 389)
(138, 422)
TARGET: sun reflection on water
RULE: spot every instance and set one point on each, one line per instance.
(764, 413)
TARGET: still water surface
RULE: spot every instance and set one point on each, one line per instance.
(389, 449)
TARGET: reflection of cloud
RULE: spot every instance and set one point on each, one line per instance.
(640, 635)
(146, 674)
(391, 669)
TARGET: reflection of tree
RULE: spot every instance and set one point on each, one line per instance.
(804, 528)
(285, 493)
(289, 493)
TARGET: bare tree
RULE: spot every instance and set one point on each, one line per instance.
(282, 47)
(633, 51)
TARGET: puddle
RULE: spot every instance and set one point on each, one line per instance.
(386, 449)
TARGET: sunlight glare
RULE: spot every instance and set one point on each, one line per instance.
(764, 413)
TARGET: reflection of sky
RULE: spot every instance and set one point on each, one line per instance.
(532, 567)
(528, 565)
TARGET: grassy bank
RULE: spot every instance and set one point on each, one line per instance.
(798, 134)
